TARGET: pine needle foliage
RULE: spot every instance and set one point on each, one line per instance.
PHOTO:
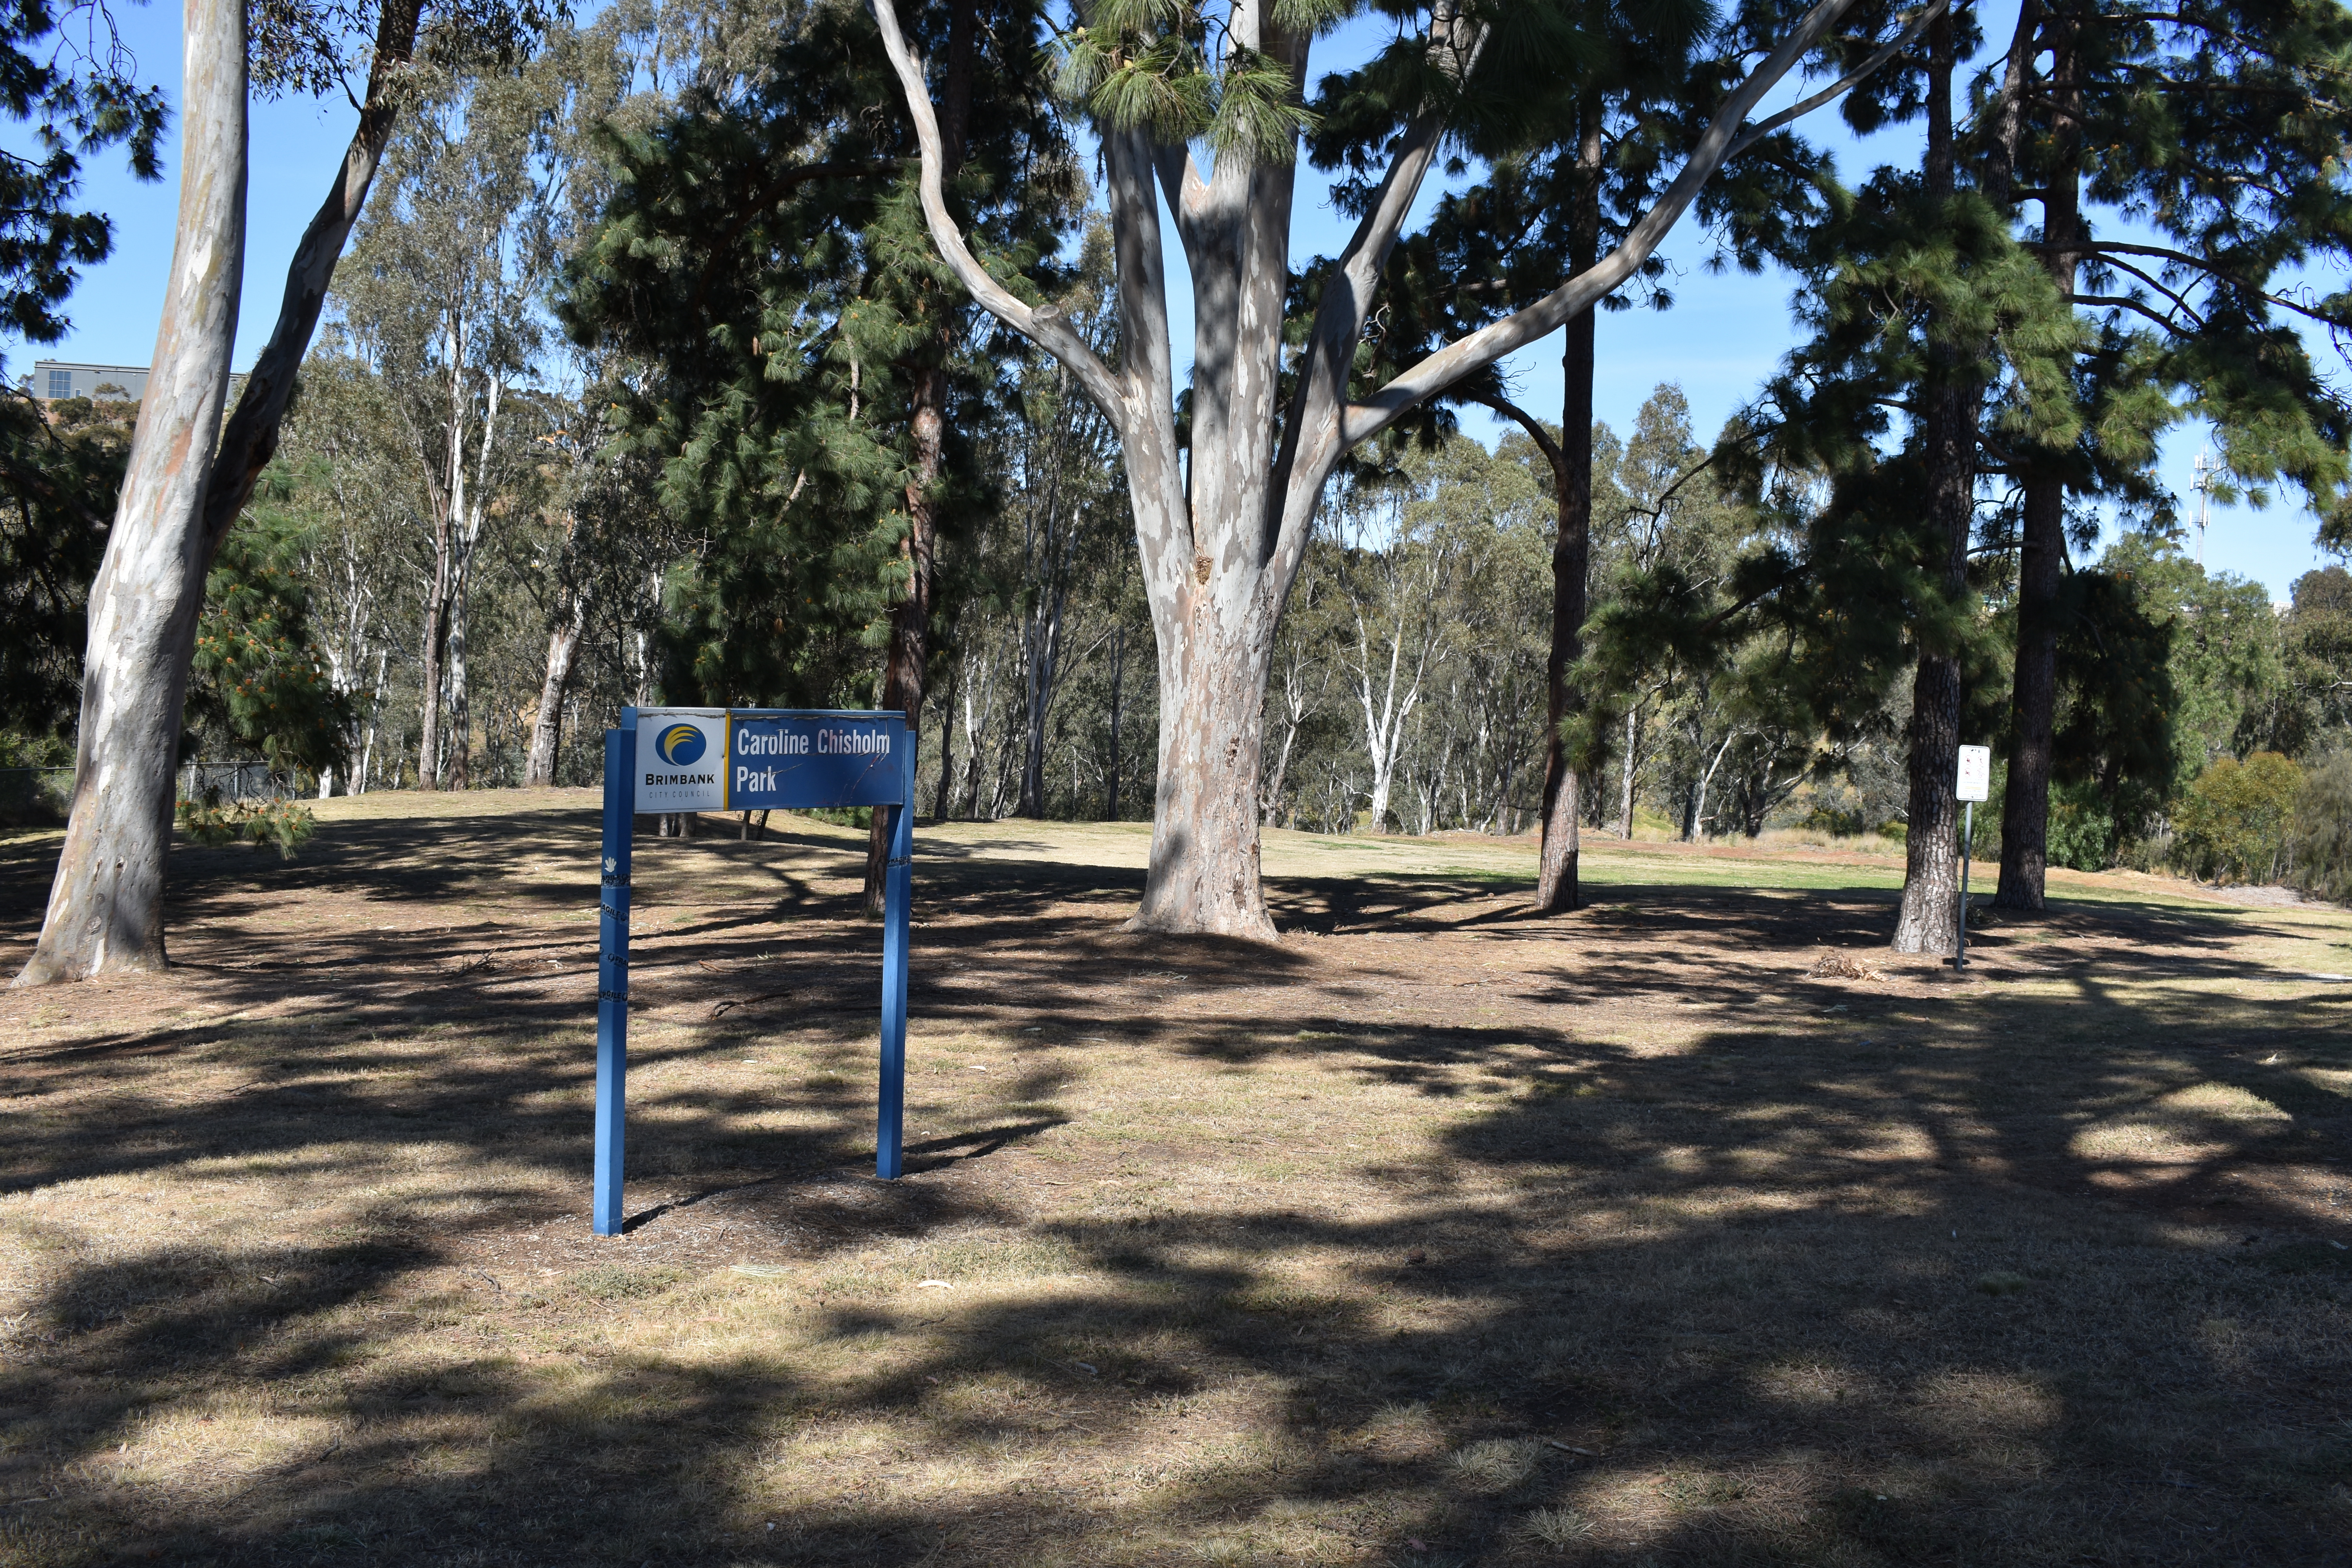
(775, 325)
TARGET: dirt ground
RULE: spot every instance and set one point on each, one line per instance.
(1689, 1228)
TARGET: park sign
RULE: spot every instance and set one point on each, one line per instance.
(719, 759)
(1975, 784)
(1976, 773)
(664, 760)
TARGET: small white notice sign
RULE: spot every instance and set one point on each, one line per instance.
(1976, 773)
(681, 759)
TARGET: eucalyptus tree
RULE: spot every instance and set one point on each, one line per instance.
(1483, 734)
(189, 475)
(442, 298)
(1667, 519)
(106, 903)
(1398, 576)
(1056, 463)
(349, 469)
(1224, 503)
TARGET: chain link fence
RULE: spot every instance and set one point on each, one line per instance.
(222, 784)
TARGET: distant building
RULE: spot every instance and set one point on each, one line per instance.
(56, 379)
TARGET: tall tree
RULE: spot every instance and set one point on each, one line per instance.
(106, 905)
(1573, 171)
(804, 377)
(1224, 504)
(442, 295)
(184, 489)
(2188, 163)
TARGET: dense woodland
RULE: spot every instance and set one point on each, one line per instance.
(642, 381)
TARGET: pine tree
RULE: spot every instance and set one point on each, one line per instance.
(805, 349)
(1577, 158)
(2219, 127)
(1925, 303)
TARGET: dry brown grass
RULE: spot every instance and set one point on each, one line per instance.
(1436, 1235)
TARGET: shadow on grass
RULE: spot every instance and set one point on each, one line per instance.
(1924, 1281)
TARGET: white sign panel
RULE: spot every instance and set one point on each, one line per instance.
(681, 759)
(1976, 772)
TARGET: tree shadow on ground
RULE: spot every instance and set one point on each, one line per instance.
(1819, 1272)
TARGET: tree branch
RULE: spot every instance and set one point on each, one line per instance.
(250, 438)
(2178, 303)
(2124, 301)
(2213, 270)
(1045, 327)
(1852, 79)
(1533, 427)
(1318, 407)
(1514, 331)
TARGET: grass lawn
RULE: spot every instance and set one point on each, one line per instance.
(1435, 1236)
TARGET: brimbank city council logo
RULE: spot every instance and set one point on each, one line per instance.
(681, 746)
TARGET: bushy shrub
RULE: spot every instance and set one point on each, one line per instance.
(284, 823)
(2083, 833)
(2232, 823)
(2320, 834)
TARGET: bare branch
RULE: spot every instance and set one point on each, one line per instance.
(1513, 332)
(2126, 302)
(1535, 433)
(2178, 303)
(1852, 79)
(1347, 293)
(1046, 327)
(2114, 247)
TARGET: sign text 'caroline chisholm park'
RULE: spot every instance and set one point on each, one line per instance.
(707, 759)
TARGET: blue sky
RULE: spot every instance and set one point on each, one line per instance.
(1721, 339)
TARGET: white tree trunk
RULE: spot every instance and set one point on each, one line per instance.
(106, 904)
(375, 717)
(547, 728)
(1625, 782)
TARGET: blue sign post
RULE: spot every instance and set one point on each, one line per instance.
(747, 759)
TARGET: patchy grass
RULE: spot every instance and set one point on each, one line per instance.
(1435, 1234)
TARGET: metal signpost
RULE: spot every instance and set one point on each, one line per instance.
(747, 759)
(1976, 784)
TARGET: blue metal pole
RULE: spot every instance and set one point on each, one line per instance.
(612, 975)
(898, 893)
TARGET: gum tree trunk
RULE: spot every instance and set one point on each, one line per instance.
(248, 441)
(547, 726)
(106, 905)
